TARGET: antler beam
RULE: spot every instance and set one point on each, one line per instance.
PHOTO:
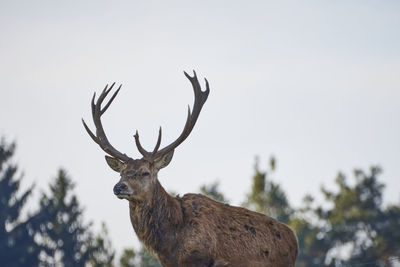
(200, 98)
(100, 138)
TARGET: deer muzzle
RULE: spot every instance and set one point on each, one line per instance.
(120, 188)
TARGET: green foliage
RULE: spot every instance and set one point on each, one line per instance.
(352, 217)
(266, 196)
(148, 259)
(103, 252)
(17, 245)
(213, 192)
(66, 239)
(128, 258)
(63, 233)
(356, 218)
(144, 258)
(313, 247)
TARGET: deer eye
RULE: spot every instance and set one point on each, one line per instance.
(145, 174)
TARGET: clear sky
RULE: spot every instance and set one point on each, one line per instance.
(315, 83)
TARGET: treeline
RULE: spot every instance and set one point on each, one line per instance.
(350, 228)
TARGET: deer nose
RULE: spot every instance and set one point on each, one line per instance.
(118, 188)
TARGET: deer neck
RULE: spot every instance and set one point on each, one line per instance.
(156, 221)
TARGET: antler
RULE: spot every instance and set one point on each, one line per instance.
(200, 98)
(100, 138)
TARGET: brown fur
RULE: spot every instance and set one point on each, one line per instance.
(197, 231)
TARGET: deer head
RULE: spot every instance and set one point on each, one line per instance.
(139, 176)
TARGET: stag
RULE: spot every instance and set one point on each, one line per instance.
(192, 230)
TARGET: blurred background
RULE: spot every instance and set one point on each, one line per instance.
(302, 121)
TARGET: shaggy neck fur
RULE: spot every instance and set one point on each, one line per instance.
(156, 222)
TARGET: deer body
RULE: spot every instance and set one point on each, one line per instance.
(192, 230)
(197, 231)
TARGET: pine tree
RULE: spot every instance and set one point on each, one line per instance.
(17, 245)
(148, 259)
(103, 252)
(144, 258)
(67, 240)
(313, 243)
(353, 218)
(266, 196)
(358, 220)
(127, 258)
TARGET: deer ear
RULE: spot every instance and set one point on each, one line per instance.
(115, 164)
(164, 160)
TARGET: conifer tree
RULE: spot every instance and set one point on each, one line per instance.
(144, 258)
(148, 259)
(353, 221)
(313, 244)
(67, 239)
(266, 196)
(127, 258)
(356, 218)
(17, 245)
(103, 252)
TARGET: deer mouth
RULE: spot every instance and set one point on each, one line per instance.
(123, 196)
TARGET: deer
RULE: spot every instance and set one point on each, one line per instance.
(192, 230)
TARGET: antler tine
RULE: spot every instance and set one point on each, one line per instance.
(158, 142)
(90, 132)
(111, 99)
(100, 138)
(200, 98)
(102, 96)
(198, 94)
(144, 152)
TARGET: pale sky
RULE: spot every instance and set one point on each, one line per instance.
(315, 83)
